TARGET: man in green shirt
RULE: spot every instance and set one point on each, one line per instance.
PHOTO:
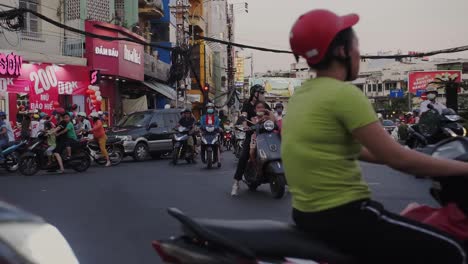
(69, 135)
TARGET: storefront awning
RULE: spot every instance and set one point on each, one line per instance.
(163, 89)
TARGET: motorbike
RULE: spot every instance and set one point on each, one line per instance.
(114, 148)
(228, 138)
(265, 241)
(267, 165)
(181, 148)
(35, 158)
(239, 140)
(9, 156)
(434, 127)
(210, 146)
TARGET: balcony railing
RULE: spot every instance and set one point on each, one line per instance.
(73, 47)
(151, 8)
(156, 68)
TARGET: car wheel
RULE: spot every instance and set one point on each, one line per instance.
(141, 152)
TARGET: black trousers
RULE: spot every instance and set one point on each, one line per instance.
(243, 158)
(365, 230)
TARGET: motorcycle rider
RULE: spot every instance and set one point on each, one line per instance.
(431, 93)
(279, 108)
(188, 121)
(257, 94)
(210, 118)
(330, 125)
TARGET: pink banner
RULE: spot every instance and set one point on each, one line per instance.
(45, 82)
(420, 80)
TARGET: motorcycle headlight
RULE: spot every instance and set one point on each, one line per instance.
(125, 138)
(210, 129)
(453, 118)
(269, 125)
(181, 129)
(38, 242)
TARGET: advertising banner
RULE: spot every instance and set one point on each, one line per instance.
(45, 82)
(420, 80)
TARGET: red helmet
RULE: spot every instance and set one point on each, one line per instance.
(314, 31)
(60, 111)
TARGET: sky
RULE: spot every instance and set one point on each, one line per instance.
(409, 25)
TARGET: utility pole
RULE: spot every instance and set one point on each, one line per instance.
(230, 54)
(180, 11)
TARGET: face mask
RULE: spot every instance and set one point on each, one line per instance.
(260, 113)
(210, 111)
(279, 111)
(431, 96)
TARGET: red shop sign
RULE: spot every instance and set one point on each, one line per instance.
(45, 82)
(420, 80)
(10, 64)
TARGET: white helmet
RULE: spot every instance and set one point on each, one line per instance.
(94, 115)
(100, 113)
(379, 116)
(431, 88)
(210, 105)
(82, 114)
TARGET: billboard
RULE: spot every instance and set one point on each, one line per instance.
(277, 86)
(420, 80)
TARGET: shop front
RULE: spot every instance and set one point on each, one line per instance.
(41, 86)
(120, 67)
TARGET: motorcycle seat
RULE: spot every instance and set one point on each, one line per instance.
(267, 238)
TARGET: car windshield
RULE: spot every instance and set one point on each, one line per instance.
(136, 120)
(388, 123)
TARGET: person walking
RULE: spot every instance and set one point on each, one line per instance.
(99, 135)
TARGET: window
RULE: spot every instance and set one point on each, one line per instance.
(160, 32)
(158, 119)
(137, 120)
(171, 120)
(369, 88)
(374, 87)
(380, 87)
(31, 22)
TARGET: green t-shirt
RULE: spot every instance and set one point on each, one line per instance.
(71, 131)
(318, 150)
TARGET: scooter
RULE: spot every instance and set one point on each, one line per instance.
(35, 158)
(181, 149)
(239, 140)
(266, 166)
(210, 146)
(265, 241)
(434, 127)
(9, 156)
(228, 139)
(114, 147)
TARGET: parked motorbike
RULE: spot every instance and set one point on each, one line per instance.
(228, 138)
(181, 149)
(9, 156)
(434, 127)
(239, 140)
(35, 158)
(265, 241)
(114, 148)
(210, 146)
(267, 166)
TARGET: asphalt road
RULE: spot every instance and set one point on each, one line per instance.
(111, 215)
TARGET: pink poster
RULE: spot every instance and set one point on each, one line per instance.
(45, 82)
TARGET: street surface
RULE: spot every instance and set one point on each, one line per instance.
(111, 215)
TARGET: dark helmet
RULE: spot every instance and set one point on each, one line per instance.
(2, 114)
(186, 110)
(254, 89)
(279, 105)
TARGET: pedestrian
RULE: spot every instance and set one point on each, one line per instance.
(100, 137)
(35, 125)
(26, 127)
(11, 135)
(3, 132)
(331, 125)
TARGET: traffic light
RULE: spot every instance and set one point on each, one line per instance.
(246, 7)
(206, 91)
